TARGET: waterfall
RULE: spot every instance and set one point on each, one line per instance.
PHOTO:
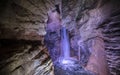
(65, 46)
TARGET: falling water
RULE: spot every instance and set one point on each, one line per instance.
(65, 46)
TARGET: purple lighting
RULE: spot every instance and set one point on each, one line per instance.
(65, 58)
(65, 47)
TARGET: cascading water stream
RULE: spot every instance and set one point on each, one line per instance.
(65, 46)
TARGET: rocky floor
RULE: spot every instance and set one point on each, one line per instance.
(71, 67)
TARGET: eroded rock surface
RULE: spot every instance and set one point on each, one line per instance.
(93, 26)
(24, 19)
(111, 31)
(22, 27)
(87, 23)
(21, 57)
(86, 20)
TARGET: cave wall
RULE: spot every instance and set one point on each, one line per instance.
(86, 20)
(93, 23)
(93, 26)
(21, 57)
(24, 19)
(111, 33)
(22, 27)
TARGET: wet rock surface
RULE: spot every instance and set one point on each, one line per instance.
(94, 21)
(71, 67)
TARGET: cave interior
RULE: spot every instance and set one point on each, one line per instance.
(59, 37)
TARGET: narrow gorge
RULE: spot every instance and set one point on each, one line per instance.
(59, 37)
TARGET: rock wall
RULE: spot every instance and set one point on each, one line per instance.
(86, 20)
(21, 57)
(111, 32)
(22, 27)
(24, 19)
(91, 21)
(93, 26)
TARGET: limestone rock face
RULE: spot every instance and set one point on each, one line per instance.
(22, 27)
(111, 32)
(24, 19)
(87, 21)
(21, 57)
(52, 37)
(84, 20)
(94, 27)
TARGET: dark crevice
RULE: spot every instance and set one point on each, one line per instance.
(9, 42)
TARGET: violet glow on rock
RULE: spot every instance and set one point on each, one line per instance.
(58, 44)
